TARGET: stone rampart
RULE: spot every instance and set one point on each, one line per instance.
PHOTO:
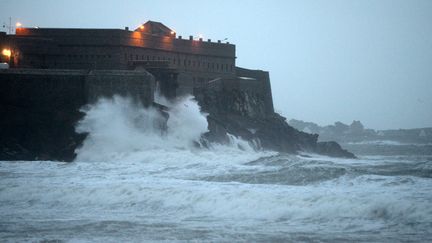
(40, 108)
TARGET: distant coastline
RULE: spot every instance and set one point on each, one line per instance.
(356, 133)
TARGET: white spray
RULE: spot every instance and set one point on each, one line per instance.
(119, 129)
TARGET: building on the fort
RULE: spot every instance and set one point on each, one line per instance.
(179, 64)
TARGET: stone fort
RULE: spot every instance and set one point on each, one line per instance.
(179, 65)
(48, 74)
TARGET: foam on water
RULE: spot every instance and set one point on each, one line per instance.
(132, 182)
(119, 129)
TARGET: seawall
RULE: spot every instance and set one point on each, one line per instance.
(39, 108)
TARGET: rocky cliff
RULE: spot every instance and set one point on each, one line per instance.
(241, 107)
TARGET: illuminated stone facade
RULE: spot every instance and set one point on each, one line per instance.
(190, 63)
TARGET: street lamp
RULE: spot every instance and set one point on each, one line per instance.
(6, 52)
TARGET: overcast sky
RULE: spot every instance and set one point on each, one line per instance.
(368, 60)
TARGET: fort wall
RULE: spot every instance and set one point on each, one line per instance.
(138, 85)
(39, 108)
(248, 95)
(116, 49)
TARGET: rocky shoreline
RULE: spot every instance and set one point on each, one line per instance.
(242, 114)
(40, 109)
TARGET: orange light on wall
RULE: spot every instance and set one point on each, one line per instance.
(7, 52)
(18, 24)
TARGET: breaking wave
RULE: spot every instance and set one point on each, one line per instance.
(136, 180)
(120, 129)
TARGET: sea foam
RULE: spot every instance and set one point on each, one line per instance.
(120, 129)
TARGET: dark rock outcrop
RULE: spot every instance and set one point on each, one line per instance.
(242, 113)
(333, 149)
(273, 133)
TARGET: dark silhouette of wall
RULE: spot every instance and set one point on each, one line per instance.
(39, 108)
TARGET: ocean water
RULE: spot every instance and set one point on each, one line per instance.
(133, 183)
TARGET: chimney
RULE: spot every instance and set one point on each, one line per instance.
(208, 40)
(126, 28)
(180, 37)
(190, 37)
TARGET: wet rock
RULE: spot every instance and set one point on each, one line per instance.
(333, 149)
(242, 113)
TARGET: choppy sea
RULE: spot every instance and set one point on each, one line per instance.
(125, 187)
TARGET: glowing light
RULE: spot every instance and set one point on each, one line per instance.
(172, 32)
(141, 27)
(18, 24)
(6, 52)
